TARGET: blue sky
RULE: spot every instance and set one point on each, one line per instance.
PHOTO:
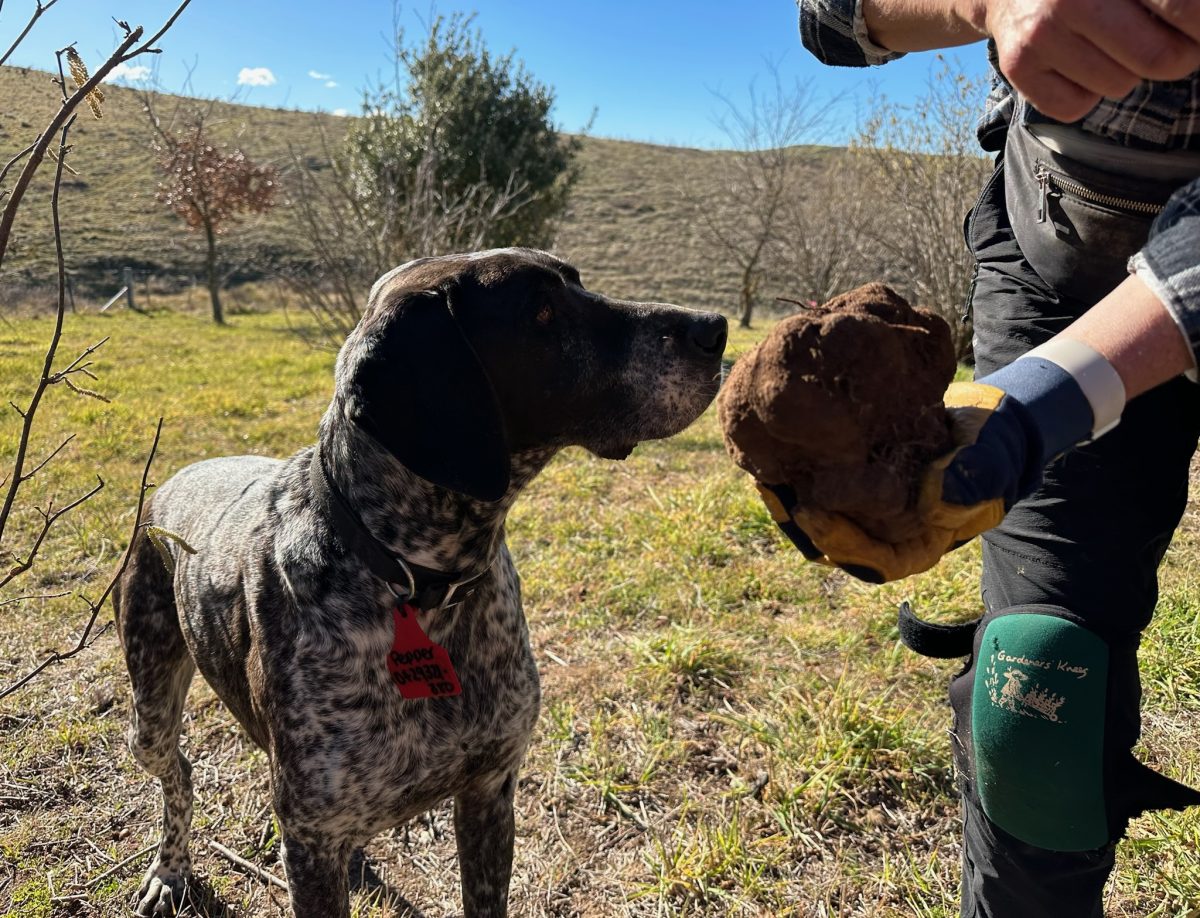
(648, 69)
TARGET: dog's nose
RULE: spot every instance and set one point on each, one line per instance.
(707, 334)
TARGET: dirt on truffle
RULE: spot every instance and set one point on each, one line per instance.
(844, 403)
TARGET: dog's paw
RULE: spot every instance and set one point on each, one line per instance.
(162, 892)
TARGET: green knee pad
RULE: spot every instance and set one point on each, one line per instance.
(1038, 710)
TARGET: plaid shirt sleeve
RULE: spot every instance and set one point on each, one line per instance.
(834, 31)
(1169, 263)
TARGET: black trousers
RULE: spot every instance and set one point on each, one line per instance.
(1090, 540)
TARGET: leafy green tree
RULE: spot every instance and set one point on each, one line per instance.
(476, 127)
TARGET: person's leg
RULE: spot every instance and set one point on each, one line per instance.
(1077, 561)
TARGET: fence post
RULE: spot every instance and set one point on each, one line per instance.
(127, 281)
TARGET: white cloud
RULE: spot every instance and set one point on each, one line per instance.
(340, 112)
(256, 76)
(330, 84)
(317, 75)
(130, 74)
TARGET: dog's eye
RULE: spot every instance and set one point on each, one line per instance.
(545, 314)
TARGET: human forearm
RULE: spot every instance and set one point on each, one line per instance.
(921, 25)
(1148, 328)
(1075, 386)
(1132, 329)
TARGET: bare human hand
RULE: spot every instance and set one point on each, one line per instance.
(1064, 56)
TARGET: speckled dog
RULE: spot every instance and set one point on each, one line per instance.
(465, 375)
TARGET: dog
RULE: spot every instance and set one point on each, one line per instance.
(355, 606)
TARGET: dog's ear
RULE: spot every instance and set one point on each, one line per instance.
(421, 391)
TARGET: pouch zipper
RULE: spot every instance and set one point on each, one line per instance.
(1047, 180)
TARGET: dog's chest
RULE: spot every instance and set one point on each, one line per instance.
(357, 751)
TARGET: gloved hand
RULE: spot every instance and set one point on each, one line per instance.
(836, 540)
(1006, 428)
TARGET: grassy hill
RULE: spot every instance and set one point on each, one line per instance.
(110, 216)
(627, 230)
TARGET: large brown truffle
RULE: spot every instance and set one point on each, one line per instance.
(844, 403)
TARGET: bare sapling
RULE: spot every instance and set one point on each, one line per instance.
(81, 88)
(745, 218)
(209, 185)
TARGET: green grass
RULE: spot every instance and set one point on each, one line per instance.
(726, 730)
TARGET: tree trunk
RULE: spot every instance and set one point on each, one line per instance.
(749, 289)
(214, 282)
(747, 311)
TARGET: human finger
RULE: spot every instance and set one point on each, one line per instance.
(1048, 91)
(1091, 68)
(1028, 40)
(1139, 38)
(1183, 15)
(1051, 94)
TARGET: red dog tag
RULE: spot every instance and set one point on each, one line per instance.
(419, 667)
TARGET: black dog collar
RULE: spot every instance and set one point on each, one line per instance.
(419, 586)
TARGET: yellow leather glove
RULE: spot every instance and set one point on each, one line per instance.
(1002, 443)
(836, 540)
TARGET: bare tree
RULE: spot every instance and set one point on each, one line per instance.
(743, 218)
(824, 244)
(53, 141)
(922, 168)
(208, 185)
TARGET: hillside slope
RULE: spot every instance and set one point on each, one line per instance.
(628, 229)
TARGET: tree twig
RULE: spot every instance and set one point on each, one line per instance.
(115, 867)
(42, 6)
(249, 866)
(41, 465)
(83, 643)
(17, 158)
(43, 596)
(126, 51)
(74, 365)
(50, 516)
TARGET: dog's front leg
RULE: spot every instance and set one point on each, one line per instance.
(483, 831)
(317, 871)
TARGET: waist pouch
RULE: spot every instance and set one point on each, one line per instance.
(1077, 225)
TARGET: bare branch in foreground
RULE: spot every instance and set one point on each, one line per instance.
(52, 142)
(50, 516)
(126, 51)
(17, 600)
(18, 477)
(39, 10)
(86, 638)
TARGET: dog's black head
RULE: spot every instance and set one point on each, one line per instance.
(461, 361)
